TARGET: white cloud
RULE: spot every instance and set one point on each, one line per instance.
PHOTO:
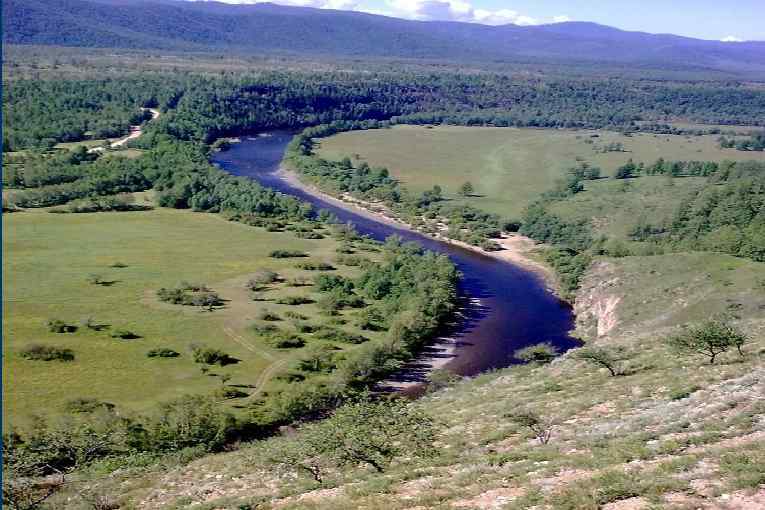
(455, 10)
(425, 10)
(731, 38)
(561, 19)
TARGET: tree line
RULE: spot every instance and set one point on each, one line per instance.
(205, 107)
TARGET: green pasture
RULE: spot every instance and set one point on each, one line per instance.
(47, 262)
(508, 167)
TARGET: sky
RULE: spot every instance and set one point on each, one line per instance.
(731, 20)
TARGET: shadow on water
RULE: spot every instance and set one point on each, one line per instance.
(505, 307)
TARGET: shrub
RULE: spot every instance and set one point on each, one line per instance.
(338, 335)
(319, 358)
(228, 393)
(329, 282)
(119, 265)
(315, 266)
(490, 245)
(40, 352)
(710, 338)
(95, 279)
(539, 353)
(610, 359)
(87, 405)
(295, 300)
(303, 327)
(210, 356)
(124, 334)
(540, 427)
(441, 378)
(299, 281)
(261, 278)
(162, 352)
(295, 315)
(265, 329)
(189, 421)
(286, 254)
(266, 315)
(58, 326)
(190, 295)
(291, 342)
(351, 260)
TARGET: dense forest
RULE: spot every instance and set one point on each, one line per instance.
(203, 108)
(41, 113)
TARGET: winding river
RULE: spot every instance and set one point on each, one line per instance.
(506, 307)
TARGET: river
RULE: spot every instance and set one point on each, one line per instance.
(506, 307)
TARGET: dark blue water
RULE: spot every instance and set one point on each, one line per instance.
(507, 307)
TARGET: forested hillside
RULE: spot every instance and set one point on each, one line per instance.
(267, 27)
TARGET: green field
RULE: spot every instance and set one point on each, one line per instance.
(47, 260)
(508, 166)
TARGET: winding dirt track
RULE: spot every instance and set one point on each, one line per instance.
(135, 132)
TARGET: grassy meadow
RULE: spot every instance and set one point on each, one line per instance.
(47, 262)
(508, 167)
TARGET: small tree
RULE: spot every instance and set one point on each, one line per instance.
(711, 338)
(540, 427)
(95, 279)
(610, 359)
(539, 353)
(466, 189)
(364, 432)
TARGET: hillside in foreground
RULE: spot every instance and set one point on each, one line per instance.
(671, 432)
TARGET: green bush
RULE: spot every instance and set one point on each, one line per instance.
(261, 278)
(87, 405)
(286, 254)
(210, 356)
(266, 315)
(264, 329)
(294, 300)
(228, 393)
(162, 352)
(124, 334)
(539, 353)
(40, 352)
(59, 326)
(710, 338)
(315, 266)
(339, 335)
(190, 295)
(290, 342)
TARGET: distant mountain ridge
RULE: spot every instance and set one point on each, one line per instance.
(199, 26)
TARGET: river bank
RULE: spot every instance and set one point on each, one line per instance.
(516, 249)
(506, 305)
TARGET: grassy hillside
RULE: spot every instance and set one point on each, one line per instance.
(47, 262)
(508, 167)
(673, 432)
(613, 207)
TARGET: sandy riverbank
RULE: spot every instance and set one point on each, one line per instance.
(516, 249)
